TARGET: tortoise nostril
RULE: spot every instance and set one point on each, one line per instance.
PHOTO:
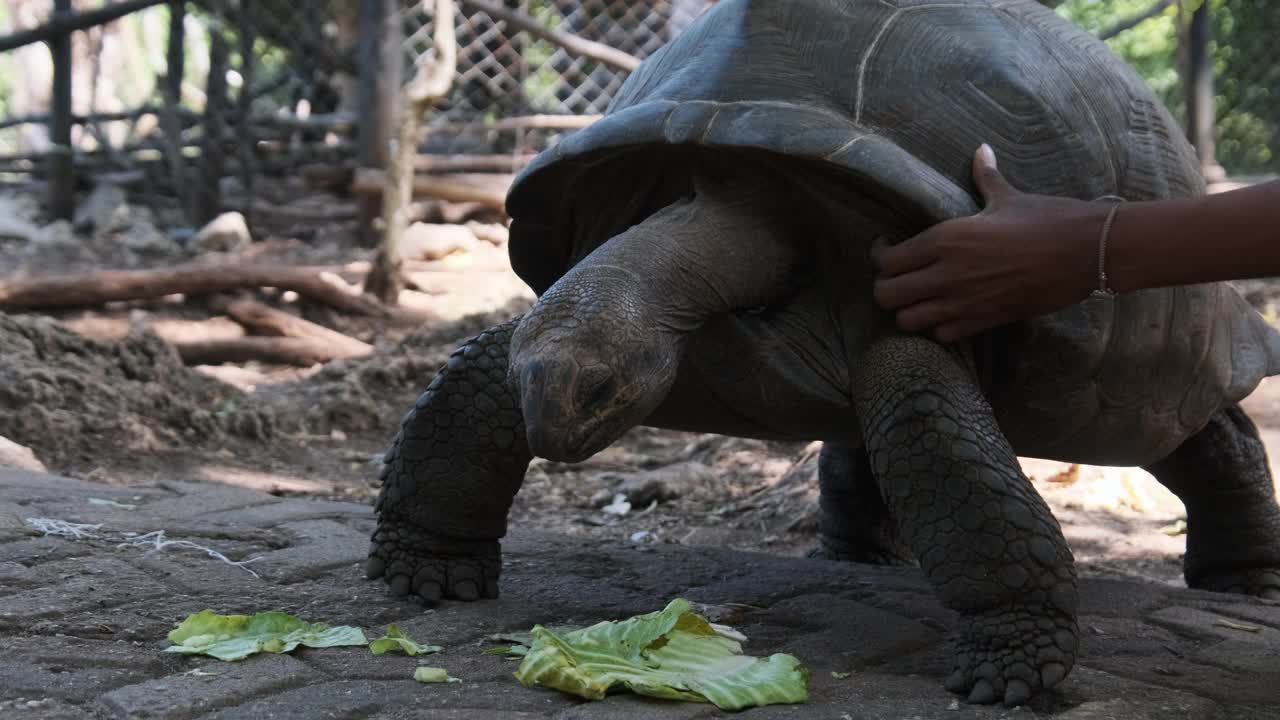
(595, 386)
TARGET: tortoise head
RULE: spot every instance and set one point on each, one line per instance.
(587, 364)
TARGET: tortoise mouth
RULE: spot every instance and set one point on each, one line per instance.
(568, 447)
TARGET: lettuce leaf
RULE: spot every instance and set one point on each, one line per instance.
(235, 637)
(673, 653)
(396, 640)
(426, 674)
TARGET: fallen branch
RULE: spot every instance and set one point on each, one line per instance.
(572, 43)
(303, 352)
(472, 163)
(491, 193)
(100, 287)
(174, 332)
(521, 122)
(265, 320)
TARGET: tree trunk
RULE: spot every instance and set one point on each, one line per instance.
(430, 84)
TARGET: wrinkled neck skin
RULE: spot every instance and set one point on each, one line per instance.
(601, 348)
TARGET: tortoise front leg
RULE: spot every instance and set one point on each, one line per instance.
(986, 540)
(450, 477)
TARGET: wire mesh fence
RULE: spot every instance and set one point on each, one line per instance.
(187, 101)
(503, 74)
(1244, 59)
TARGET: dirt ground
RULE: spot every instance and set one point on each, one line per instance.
(97, 395)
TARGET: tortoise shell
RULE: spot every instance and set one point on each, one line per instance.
(895, 93)
(892, 97)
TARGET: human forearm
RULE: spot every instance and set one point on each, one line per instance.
(1026, 254)
(1227, 236)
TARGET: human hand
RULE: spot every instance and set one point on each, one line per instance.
(1024, 255)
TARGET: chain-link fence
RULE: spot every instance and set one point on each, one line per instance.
(188, 101)
(1155, 36)
(505, 75)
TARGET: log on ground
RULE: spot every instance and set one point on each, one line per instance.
(265, 320)
(303, 352)
(104, 286)
(490, 190)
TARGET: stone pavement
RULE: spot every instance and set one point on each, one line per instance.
(83, 622)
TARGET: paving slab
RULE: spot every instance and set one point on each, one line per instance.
(83, 622)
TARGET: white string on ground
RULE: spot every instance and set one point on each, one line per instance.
(62, 528)
(154, 539)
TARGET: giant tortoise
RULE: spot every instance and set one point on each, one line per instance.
(700, 256)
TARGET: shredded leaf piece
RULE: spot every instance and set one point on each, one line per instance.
(235, 637)
(396, 640)
(673, 653)
(426, 674)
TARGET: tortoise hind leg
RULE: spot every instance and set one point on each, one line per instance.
(1233, 522)
(854, 524)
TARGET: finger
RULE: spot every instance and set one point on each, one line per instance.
(910, 254)
(902, 291)
(924, 316)
(986, 174)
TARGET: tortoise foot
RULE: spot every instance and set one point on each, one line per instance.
(431, 567)
(1258, 582)
(1013, 654)
(832, 548)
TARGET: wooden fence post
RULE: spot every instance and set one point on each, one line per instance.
(1201, 115)
(212, 154)
(62, 199)
(175, 68)
(246, 145)
(381, 71)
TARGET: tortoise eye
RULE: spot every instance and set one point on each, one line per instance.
(596, 386)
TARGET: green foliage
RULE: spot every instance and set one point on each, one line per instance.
(1246, 74)
(1247, 80)
(540, 86)
(1151, 47)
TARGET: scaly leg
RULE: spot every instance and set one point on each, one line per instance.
(985, 539)
(853, 523)
(1233, 523)
(450, 477)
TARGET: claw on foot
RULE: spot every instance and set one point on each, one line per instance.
(830, 548)
(1012, 655)
(432, 567)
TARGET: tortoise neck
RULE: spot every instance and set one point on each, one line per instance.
(694, 259)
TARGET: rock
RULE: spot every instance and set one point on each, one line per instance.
(427, 241)
(16, 218)
(226, 233)
(19, 456)
(142, 236)
(662, 484)
(58, 234)
(102, 210)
